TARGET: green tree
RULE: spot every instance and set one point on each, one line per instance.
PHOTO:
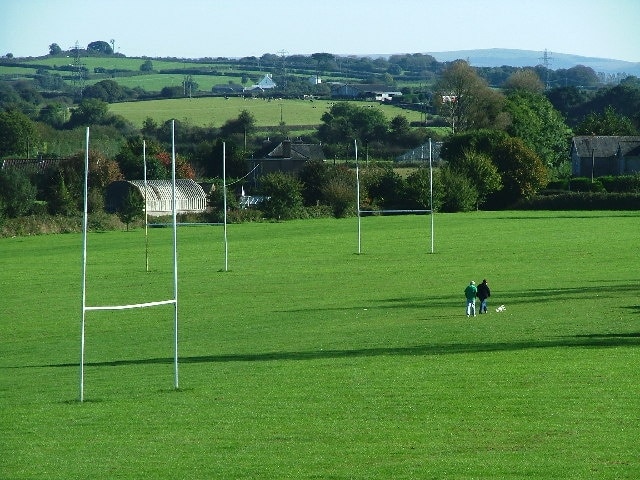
(323, 62)
(132, 207)
(466, 100)
(60, 201)
(314, 176)
(482, 173)
(108, 91)
(90, 111)
(526, 79)
(54, 49)
(338, 191)
(284, 194)
(418, 188)
(244, 124)
(100, 46)
(522, 171)
(18, 134)
(54, 114)
(607, 123)
(383, 187)
(454, 191)
(345, 122)
(147, 66)
(539, 125)
(17, 194)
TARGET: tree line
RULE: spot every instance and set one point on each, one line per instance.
(503, 145)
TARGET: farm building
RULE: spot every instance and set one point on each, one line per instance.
(380, 93)
(190, 197)
(287, 157)
(266, 83)
(605, 155)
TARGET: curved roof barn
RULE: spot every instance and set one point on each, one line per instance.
(190, 197)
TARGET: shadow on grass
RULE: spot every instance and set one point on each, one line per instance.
(581, 341)
(532, 295)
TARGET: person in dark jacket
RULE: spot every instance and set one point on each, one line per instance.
(484, 292)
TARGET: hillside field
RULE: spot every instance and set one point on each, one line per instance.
(307, 360)
(215, 111)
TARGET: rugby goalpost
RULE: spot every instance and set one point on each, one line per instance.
(430, 211)
(172, 301)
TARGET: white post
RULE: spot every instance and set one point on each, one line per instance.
(146, 199)
(175, 254)
(431, 192)
(84, 263)
(224, 204)
(355, 143)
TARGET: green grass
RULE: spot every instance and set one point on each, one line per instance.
(216, 111)
(156, 82)
(306, 360)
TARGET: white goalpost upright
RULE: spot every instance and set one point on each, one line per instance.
(430, 211)
(172, 301)
(224, 205)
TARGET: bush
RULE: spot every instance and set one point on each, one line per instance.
(284, 196)
(581, 201)
(621, 183)
(339, 194)
(583, 184)
(17, 194)
(455, 192)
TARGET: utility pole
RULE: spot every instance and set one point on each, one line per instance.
(546, 61)
(78, 71)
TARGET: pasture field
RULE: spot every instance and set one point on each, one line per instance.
(215, 111)
(155, 82)
(123, 63)
(306, 360)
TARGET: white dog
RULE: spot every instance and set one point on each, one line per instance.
(501, 308)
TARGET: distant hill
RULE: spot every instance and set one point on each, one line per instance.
(497, 57)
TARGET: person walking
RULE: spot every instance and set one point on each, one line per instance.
(470, 293)
(484, 292)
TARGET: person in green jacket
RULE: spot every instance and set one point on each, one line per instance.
(470, 293)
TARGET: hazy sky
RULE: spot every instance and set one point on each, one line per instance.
(239, 28)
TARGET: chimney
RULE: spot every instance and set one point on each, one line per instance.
(286, 148)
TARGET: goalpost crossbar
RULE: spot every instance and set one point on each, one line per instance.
(394, 211)
(134, 305)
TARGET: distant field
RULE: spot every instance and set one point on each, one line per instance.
(155, 82)
(308, 361)
(122, 63)
(215, 111)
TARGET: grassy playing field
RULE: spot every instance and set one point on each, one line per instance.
(306, 360)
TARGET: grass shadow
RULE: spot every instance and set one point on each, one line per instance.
(576, 341)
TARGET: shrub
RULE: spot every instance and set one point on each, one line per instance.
(583, 184)
(17, 194)
(455, 192)
(581, 201)
(284, 194)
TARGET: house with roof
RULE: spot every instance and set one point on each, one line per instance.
(597, 156)
(266, 83)
(288, 156)
(370, 92)
(158, 196)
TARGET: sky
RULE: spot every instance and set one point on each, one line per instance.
(243, 28)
